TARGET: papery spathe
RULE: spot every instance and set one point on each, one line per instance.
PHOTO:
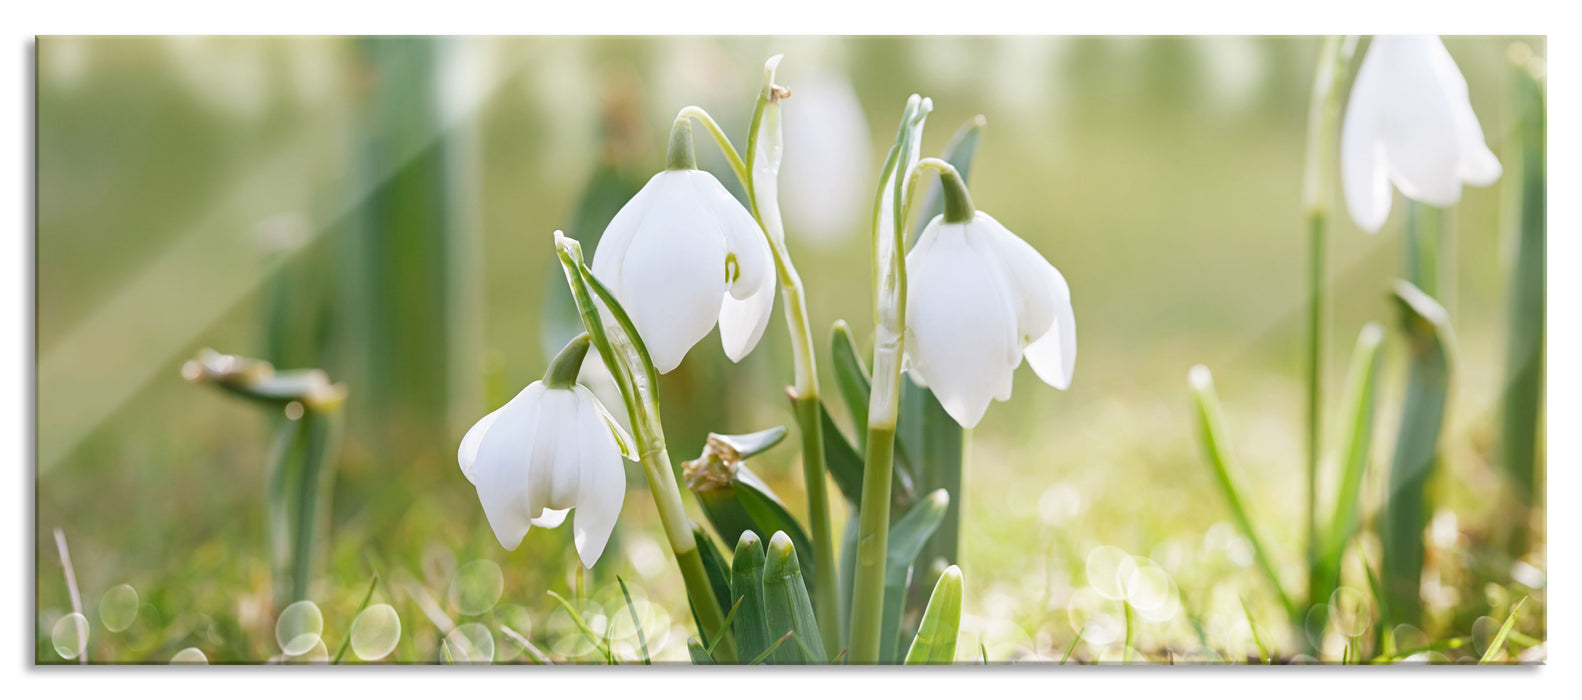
(1409, 122)
(543, 453)
(681, 255)
(979, 299)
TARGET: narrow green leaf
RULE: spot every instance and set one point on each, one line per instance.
(747, 585)
(770, 514)
(637, 622)
(528, 648)
(941, 627)
(787, 607)
(1497, 644)
(1257, 639)
(576, 618)
(1426, 327)
(1073, 646)
(1211, 430)
(714, 565)
(726, 625)
(1521, 414)
(700, 656)
(851, 377)
(1355, 447)
(771, 650)
(907, 537)
(752, 444)
(347, 642)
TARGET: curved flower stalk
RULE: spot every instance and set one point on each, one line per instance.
(682, 255)
(551, 449)
(1409, 123)
(759, 175)
(981, 299)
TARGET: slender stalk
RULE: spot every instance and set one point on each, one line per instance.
(628, 361)
(873, 539)
(758, 176)
(1323, 121)
(889, 247)
(76, 597)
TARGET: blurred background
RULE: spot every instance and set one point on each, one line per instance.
(383, 209)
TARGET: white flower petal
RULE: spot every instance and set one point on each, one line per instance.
(501, 466)
(555, 453)
(742, 321)
(748, 259)
(1478, 166)
(1026, 275)
(603, 489)
(1365, 174)
(1053, 356)
(673, 276)
(467, 454)
(609, 256)
(551, 518)
(960, 325)
(1420, 139)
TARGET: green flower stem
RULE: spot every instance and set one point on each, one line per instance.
(873, 527)
(1323, 123)
(758, 177)
(873, 541)
(628, 362)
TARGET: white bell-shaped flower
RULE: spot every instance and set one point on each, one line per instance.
(979, 299)
(1409, 122)
(683, 254)
(551, 449)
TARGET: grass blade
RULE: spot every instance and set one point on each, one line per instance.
(1497, 644)
(1073, 646)
(576, 618)
(1356, 446)
(637, 623)
(1211, 427)
(771, 650)
(346, 643)
(941, 626)
(538, 656)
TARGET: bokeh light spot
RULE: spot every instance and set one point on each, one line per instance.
(375, 632)
(476, 587)
(69, 635)
(299, 627)
(118, 608)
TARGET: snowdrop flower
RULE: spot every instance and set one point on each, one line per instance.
(549, 450)
(1409, 123)
(979, 299)
(683, 253)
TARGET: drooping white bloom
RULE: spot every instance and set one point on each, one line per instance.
(979, 299)
(682, 254)
(1409, 122)
(543, 453)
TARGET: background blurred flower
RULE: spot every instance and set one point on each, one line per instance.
(1409, 122)
(827, 181)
